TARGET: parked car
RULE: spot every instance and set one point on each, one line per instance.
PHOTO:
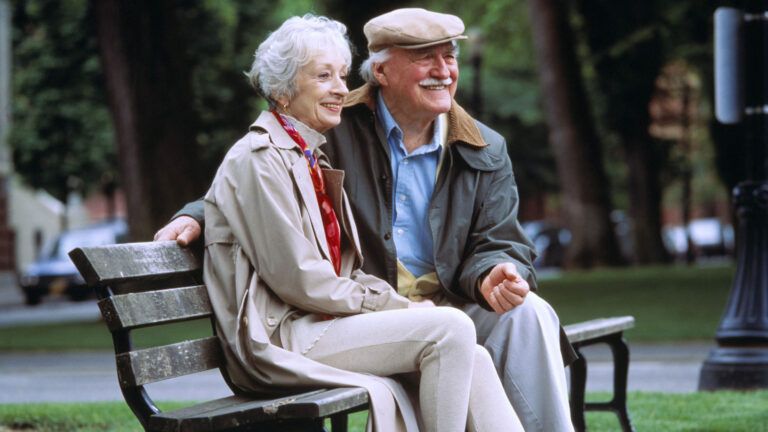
(550, 242)
(710, 238)
(53, 273)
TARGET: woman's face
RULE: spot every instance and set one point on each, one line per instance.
(321, 87)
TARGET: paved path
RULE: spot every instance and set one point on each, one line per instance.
(37, 377)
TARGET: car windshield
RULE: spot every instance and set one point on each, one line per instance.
(79, 238)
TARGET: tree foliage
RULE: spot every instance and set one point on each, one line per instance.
(500, 33)
(61, 137)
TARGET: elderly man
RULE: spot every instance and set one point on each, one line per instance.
(436, 205)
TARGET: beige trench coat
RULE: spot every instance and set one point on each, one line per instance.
(269, 275)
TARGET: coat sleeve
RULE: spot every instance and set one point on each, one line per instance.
(255, 193)
(195, 210)
(496, 236)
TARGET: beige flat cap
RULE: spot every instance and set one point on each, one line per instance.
(412, 28)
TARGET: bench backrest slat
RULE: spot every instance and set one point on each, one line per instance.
(128, 311)
(127, 262)
(140, 367)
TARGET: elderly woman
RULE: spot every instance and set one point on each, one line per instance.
(282, 263)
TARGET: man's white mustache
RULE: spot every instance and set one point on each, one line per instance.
(435, 82)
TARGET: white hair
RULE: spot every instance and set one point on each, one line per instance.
(289, 48)
(366, 69)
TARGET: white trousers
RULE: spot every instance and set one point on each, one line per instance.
(524, 344)
(458, 387)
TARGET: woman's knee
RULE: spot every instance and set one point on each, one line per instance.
(455, 325)
(482, 357)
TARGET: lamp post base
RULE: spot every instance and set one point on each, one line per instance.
(735, 368)
(740, 361)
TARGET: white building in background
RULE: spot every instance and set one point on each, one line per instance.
(29, 217)
(36, 218)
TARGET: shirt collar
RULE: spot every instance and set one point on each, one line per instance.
(386, 119)
(391, 126)
(461, 126)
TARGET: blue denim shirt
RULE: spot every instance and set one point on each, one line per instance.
(413, 183)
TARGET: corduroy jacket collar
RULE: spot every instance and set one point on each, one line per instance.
(461, 126)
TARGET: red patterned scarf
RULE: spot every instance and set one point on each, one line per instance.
(330, 222)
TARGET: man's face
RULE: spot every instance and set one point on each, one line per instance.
(419, 82)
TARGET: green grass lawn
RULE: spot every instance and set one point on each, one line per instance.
(711, 412)
(669, 304)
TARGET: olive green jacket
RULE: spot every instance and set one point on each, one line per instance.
(473, 211)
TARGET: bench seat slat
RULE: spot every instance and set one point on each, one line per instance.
(128, 311)
(150, 365)
(238, 411)
(99, 265)
(325, 403)
(598, 327)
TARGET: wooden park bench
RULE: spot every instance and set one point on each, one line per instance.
(158, 283)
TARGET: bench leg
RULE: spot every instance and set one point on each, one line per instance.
(339, 423)
(618, 404)
(578, 388)
(620, 371)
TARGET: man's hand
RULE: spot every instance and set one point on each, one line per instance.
(504, 288)
(183, 229)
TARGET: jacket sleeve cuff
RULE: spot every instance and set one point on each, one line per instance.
(379, 301)
(479, 297)
(194, 209)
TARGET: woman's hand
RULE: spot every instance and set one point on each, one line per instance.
(421, 304)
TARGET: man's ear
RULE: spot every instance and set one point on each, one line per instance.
(378, 72)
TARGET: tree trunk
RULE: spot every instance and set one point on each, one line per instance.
(627, 83)
(645, 200)
(150, 97)
(584, 185)
(354, 15)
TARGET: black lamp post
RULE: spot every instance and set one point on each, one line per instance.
(741, 359)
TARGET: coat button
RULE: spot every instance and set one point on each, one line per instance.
(387, 236)
(271, 321)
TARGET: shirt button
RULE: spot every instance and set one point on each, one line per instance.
(400, 231)
(405, 161)
(402, 197)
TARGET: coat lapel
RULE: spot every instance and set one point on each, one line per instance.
(299, 171)
(334, 181)
(303, 181)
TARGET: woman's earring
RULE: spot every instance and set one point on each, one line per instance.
(285, 108)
